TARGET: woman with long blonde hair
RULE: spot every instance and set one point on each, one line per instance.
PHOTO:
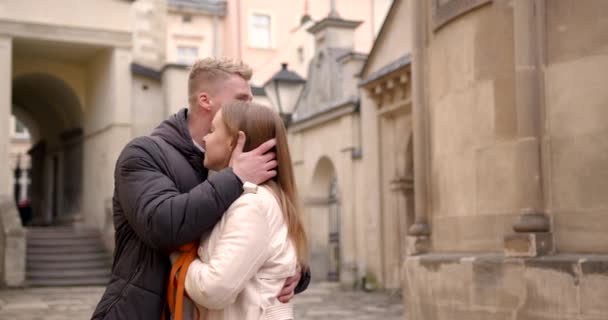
(240, 267)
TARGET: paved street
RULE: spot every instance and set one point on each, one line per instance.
(320, 301)
(327, 301)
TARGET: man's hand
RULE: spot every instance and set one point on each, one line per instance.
(287, 292)
(255, 166)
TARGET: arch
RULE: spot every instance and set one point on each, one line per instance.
(47, 104)
(323, 209)
(52, 111)
(322, 177)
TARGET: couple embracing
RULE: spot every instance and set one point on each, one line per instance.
(191, 244)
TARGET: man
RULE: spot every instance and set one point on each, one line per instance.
(163, 198)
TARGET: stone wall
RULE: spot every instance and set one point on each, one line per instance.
(483, 287)
(12, 244)
(576, 141)
(472, 125)
(518, 123)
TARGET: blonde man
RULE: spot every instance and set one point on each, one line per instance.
(163, 198)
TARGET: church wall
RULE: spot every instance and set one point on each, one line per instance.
(576, 127)
(472, 129)
(472, 269)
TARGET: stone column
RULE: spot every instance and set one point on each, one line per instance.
(419, 232)
(107, 129)
(532, 236)
(6, 57)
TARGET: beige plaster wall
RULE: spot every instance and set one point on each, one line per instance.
(150, 32)
(5, 110)
(73, 73)
(370, 202)
(111, 15)
(148, 108)
(339, 138)
(472, 127)
(107, 129)
(197, 33)
(577, 124)
(175, 89)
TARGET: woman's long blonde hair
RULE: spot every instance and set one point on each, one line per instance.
(260, 124)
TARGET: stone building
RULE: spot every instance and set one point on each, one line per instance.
(460, 169)
(324, 138)
(510, 154)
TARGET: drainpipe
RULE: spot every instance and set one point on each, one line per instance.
(238, 31)
(420, 230)
(216, 51)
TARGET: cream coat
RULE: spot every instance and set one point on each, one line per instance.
(244, 262)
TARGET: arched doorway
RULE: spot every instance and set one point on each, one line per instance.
(52, 113)
(323, 209)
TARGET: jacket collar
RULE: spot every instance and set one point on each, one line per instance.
(175, 132)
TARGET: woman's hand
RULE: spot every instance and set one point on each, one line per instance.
(287, 292)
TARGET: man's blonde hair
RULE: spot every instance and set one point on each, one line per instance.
(206, 71)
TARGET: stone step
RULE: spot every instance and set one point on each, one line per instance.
(68, 257)
(68, 274)
(64, 242)
(69, 265)
(77, 235)
(96, 248)
(100, 281)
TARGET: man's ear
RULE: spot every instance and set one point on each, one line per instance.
(204, 101)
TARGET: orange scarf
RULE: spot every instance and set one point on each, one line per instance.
(175, 288)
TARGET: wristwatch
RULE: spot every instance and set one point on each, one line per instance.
(249, 187)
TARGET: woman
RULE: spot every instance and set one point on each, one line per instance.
(243, 264)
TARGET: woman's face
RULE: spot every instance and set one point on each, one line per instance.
(218, 145)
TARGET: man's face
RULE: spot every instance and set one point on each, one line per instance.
(218, 145)
(233, 88)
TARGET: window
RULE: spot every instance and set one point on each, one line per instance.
(19, 130)
(259, 31)
(186, 18)
(187, 54)
(19, 127)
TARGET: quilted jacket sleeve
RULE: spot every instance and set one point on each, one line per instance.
(161, 216)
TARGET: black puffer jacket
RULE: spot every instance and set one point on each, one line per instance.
(162, 200)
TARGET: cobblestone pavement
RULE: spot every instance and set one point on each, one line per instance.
(320, 301)
(326, 301)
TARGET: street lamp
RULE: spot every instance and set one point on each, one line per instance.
(284, 89)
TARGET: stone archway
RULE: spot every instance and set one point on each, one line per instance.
(53, 114)
(323, 209)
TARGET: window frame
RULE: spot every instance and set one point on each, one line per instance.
(188, 46)
(271, 30)
(25, 135)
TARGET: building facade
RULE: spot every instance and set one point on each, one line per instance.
(465, 175)
(86, 78)
(512, 136)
